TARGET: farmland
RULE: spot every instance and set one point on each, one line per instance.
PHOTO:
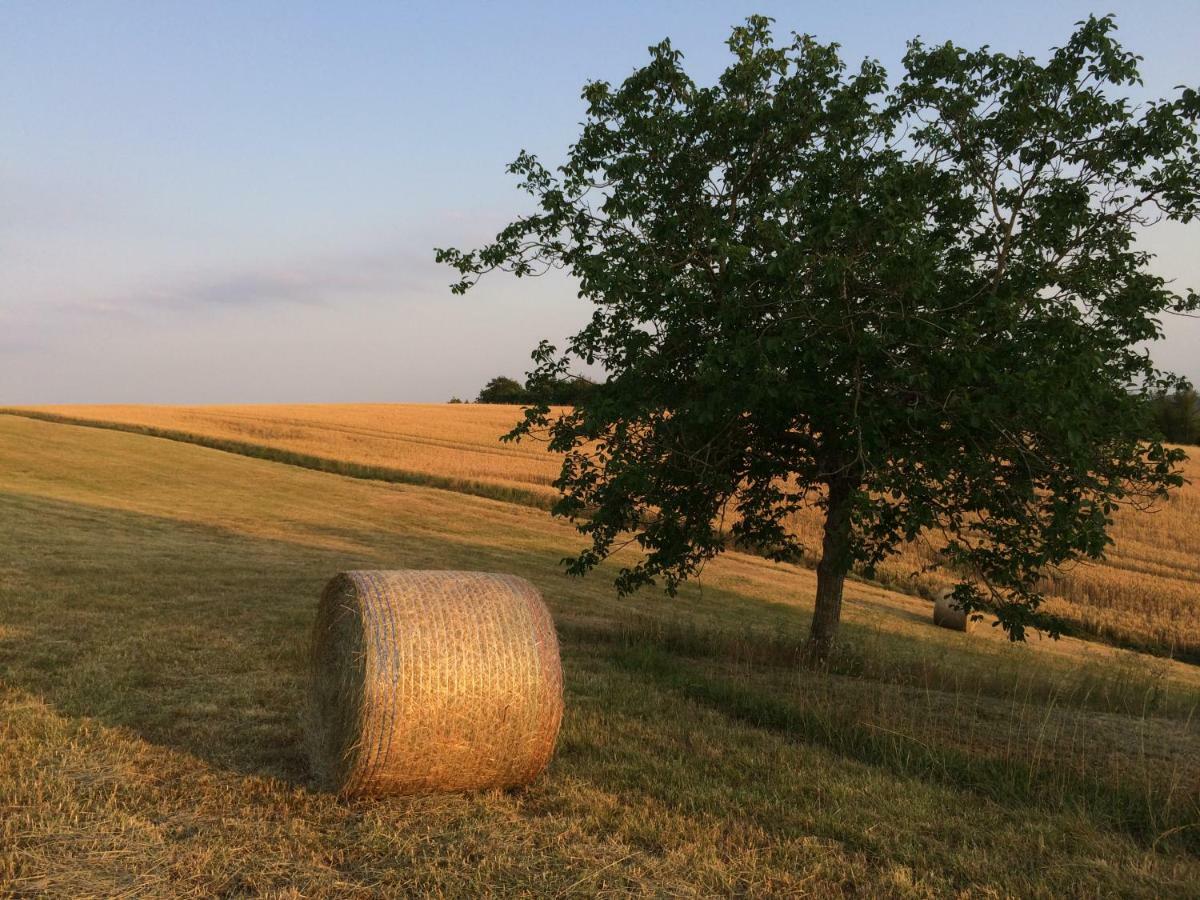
(157, 597)
(452, 446)
(1145, 594)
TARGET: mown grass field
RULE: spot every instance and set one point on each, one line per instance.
(1145, 595)
(156, 598)
(454, 446)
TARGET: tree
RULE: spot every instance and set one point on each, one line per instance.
(916, 306)
(569, 391)
(565, 391)
(1177, 415)
(503, 390)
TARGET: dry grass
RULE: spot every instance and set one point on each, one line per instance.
(158, 597)
(454, 442)
(1146, 594)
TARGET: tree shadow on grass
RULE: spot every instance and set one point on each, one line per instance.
(195, 637)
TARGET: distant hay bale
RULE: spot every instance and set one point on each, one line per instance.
(947, 614)
(432, 681)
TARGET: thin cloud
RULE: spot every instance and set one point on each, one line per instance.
(309, 283)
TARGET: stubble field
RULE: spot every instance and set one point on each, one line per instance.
(156, 602)
(1144, 595)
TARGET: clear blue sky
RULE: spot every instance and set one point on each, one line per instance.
(237, 201)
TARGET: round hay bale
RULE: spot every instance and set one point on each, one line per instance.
(947, 614)
(432, 681)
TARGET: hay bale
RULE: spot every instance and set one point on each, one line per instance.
(947, 614)
(432, 681)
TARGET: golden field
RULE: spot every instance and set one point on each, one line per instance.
(157, 601)
(1145, 594)
(456, 445)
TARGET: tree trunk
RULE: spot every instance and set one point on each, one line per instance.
(831, 570)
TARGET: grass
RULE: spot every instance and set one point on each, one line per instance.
(494, 487)
(156, 601)
(1145, 595)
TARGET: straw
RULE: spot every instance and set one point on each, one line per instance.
(429, 681)
(947, 614)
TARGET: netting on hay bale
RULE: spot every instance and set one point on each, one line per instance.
(432, 681)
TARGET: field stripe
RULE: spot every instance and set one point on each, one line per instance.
(500, 492)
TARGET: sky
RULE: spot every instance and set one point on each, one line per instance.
(234, 202)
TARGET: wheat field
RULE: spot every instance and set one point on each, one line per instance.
(157, 600)
(1145, 594)
(454, 443)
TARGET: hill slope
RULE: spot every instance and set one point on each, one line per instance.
(156, 601)
(1146, 594)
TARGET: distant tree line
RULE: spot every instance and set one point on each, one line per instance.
(1176, 415)
(557, 392)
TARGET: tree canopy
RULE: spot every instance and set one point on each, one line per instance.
(503, 389)
(566, 391)
(1177, 415)
(917, 305)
